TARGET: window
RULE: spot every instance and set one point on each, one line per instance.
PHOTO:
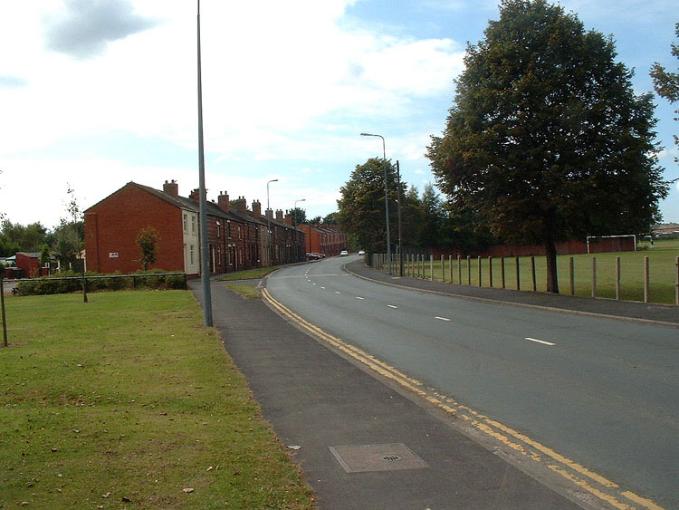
(191, 254)
(240, 234)
(219, 230)
(193, 223)
(186, 223)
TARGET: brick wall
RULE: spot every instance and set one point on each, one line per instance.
(111, 228)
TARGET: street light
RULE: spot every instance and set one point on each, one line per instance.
(268, 219)
(202, 207)
(386, 196)
(294, 224)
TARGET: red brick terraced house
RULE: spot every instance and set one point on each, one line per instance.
(236, 236)
(327, 240)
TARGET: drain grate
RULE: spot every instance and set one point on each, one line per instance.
(376, 457)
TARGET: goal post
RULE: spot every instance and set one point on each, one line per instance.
(593, 239)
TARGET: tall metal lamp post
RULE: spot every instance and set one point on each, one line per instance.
(268, 220)
(294, 224)
(386, 196)
(204, 256)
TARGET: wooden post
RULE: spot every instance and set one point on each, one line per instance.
(593, 277)
(490, 272)
(532, 270)
(478, 269)
(617, 278)
(646, 279)
(443, 269)
(518, 275)
(571, 275)
(502, 270)
(431, 267)
(459, 270)
(450, 264)
(469, 270)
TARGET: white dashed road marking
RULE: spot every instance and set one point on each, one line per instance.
(393, 306)
(539, 341)
(359, 297)
(442, 318)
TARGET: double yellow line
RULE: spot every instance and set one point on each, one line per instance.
(584, 479)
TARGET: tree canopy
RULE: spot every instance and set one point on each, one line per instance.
(361, 206)
(666, 83)
(546, 139)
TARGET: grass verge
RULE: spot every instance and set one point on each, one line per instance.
(248, 274)
(247, 291)
(124, 403)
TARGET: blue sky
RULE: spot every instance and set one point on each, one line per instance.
(96, 93)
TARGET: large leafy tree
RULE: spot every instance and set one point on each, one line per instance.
(361, 206)
(546, 139)
(666, 83)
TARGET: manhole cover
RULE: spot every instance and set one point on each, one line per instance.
(376, 457)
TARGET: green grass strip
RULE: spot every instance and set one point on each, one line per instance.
(248, 274)
(127, 401)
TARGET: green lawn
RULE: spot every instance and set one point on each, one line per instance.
(127, 401)
(662, 274)
(248, 274)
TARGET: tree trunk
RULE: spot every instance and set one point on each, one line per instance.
(552, 275)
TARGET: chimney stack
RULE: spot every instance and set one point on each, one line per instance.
(195, 195)
(279, 214)
(288, 217)
(223, 201)
(241, 204)
(256, 208)
(171, 188)
(269, 214)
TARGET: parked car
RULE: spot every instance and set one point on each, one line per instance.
(344, 253)
(361, 252)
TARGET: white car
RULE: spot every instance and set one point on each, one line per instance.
(344, 253)
(361, 252)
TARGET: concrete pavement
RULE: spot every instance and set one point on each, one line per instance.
(352, 434)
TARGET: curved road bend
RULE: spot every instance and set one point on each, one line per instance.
(600, 391)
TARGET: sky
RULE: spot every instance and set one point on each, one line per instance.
(97, 93)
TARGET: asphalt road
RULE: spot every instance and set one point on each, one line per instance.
(600, 391)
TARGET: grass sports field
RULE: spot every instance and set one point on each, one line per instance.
(128, 401)
(662, 274)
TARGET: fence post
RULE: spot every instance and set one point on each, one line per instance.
(459, 270)
(450, 264)
(431, 267)
(676, 283)
(646, 278)
(532, 270)
(502, 270)
(469, 270)
(617, 278)
(2, 307)
(490, 272)
(443, 269)
(478, 269)
(518, 275)
(593, 277)
(134, 282)
(571, 275)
